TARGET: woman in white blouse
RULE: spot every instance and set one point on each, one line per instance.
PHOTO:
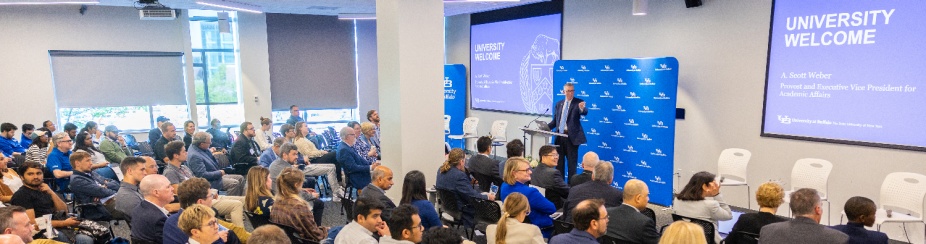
(701, 199)
(511, 227)
(264, 136)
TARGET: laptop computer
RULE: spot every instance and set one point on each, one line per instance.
(725, 227)
(542, 125)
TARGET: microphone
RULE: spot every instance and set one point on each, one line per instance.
(541, 115)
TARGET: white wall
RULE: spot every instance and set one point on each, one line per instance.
(721, 47)
(255, 67)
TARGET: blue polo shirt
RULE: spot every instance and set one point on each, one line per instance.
(58, 160)
(25, 141)
(8, 146)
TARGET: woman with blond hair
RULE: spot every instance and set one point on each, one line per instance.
(510, 228)
(770, 195)
(682, 232)
(259, 199)
(452, 177)
(199, 223)
(517, 174)
(290, 210)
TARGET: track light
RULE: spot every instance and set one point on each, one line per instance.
(639, 7)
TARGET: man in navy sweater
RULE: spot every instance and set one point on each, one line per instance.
(861, 213)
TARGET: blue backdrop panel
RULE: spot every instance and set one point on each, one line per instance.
(631, 117)
(454, 99)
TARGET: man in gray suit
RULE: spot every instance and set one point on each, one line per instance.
(483, 167)
(805, 228)
(627, 224)
(547, 176)
(382, 182)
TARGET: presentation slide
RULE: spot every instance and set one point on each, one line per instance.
(512, 64)
(848, 73)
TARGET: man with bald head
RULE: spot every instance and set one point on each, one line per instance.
(382, 182)
(598, 188)
(148, 218)
(627, 223)
(589, 161)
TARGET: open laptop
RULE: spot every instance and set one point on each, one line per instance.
(725, 227)
(542, 125)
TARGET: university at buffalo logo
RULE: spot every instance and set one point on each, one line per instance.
(657, 180)
(617, 134)
(630, 122)
(618, 108)
(633, 95)
(645, 110)
(629, 175)
(643, 164)
(634, 68)
(607, 68)
(594, 82)
(620, 82)
(647, 82)
(658, 152)
(630, 149)
(592, 131)
(663, 67)
(604, 145)
(644, 137)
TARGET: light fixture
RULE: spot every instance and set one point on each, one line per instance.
(639, 7)
(50, 2)
(238, 6)
(463, 1)
(356, 16)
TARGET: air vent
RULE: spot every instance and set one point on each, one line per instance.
(150, 13)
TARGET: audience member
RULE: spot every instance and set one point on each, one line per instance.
(356, 169)
(269, 234)
(294, 116)
(149, 216)
(364, 145)
(58, 161)
(38, 151)
(42, 200)
(452, 177)
(317, 162)
(49, 126)
(701, 199)
(770, 195)
(168, 133)
(483, 167)
(414, 192)
(291, 210)
(805, 227)
(220, 140)
(11, 180)
(598, 188)
(192, 192)
(189, 128)
(628, 225)
(15, 221)
(93, 129)
(681, 232)
(90, 188)
(549, 177)
(204, 165)
(404, 225)
(288, 155)
(591, 221)
(861, 213)
(511, 227)
(368, 134)
(175, 171)
(373, 117)
(367, 219)
(517, 174)
(514, 148)
(245, 150)
(439, 235)
(271, 154)
(589, 161)
(200, 225)
(70, 129)
(128, 197)
(84, 143)
(264, 135)
(8, 145)
(25, 139)
(113, 145)
(259, 199)
(155, 133)
(382, 182)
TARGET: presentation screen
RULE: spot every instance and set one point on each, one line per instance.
(512, 64)
(848, 73)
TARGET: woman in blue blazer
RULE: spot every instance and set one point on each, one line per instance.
(517, 173)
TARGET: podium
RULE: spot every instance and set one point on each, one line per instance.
(537, 132)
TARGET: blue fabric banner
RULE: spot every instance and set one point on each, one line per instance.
(454, 99)
(631, 116)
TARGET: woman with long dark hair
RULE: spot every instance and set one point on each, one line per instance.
(414, 192)
(701, 199)
(291, 210)
(84, 143)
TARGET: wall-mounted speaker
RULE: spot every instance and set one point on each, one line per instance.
(692, 3)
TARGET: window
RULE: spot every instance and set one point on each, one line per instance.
(215, 68)
(318, 119)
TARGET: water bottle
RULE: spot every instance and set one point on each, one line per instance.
(493, 189)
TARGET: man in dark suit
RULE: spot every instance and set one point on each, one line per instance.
(627, 224)
(245, 150)
(356, 169)
(168, 132)
(861, 213)
(589, 161)
(484, 168)
(550, 178)
(148, 218)
(805, 227)
(204, 165)
(598, 188)
(566, 120)
(382, 182)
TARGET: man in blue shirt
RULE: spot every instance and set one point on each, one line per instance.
(294, 116)
(591, 221)
(8, 145)
(271, 154)
(26, 139)
(59, 160)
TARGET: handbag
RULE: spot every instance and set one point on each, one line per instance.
(93, 229)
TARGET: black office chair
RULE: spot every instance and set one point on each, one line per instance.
(487, 212)
(649, 213)
(450, 204)
(610, 240)
(706, 225)
(560, 227)
(256, 219)
(741, 237)
(144, 149)
(293, 235)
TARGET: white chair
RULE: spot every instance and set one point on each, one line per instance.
(811, 173)
(499, 136)
(469, 130)
(902, 191)
(733, 162)
(446, 124)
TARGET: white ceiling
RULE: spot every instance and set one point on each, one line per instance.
(326, 7)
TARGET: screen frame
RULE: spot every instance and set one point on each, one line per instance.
(762, 133)
(513, 13)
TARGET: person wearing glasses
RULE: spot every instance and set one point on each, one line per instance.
(59, 161)
(356, 168)
(511, 227)
(566, 120)
(246, 150)
(591, 221)
(200, 225)
(405, 226)
(517, 174)
(196, 192)
(549, 177)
